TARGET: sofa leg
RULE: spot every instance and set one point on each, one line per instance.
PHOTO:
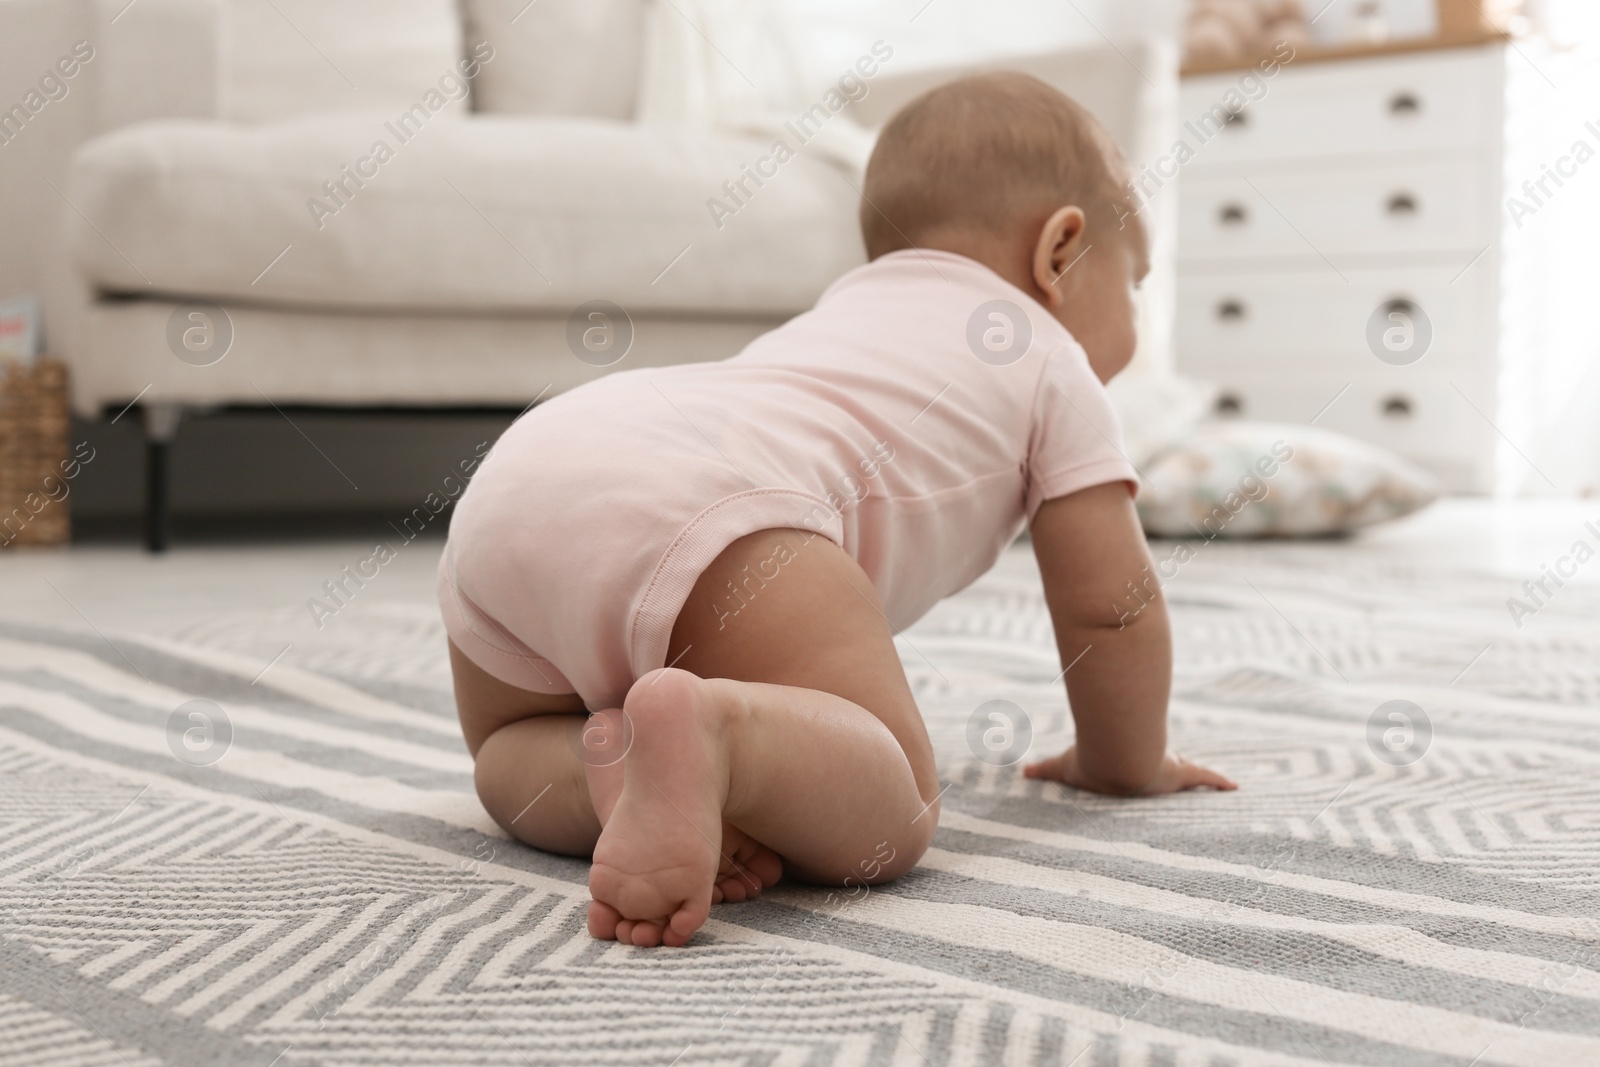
(160, 427)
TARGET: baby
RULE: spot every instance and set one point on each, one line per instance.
(671, 594)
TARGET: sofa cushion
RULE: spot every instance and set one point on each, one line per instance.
(486, 212)
(284, 58)
(559, 57)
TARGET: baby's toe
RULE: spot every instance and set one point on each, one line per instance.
(733, 890)
(766, 865)
(604, 921)
(686, 920)
(646, 934)
(753, 863)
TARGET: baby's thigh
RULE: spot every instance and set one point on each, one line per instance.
(790, 607)
(485, 703)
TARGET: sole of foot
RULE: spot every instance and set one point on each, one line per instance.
(745, 866)
(659, 861)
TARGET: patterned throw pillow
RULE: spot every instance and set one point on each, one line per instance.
(1258, 479)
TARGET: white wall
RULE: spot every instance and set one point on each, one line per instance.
(33, 35)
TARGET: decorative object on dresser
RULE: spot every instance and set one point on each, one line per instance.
(1228, 34)
(1377, 242)
(1464, 18)
(1224, 32)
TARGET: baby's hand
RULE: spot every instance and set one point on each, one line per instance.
(1176, 774)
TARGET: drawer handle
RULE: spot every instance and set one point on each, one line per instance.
(1236, 117)
(1404, 104)
(1403, 204)
(1396, 407)
(1230, 404)
(1233, 214)
(1230, 310)
(1400, 306)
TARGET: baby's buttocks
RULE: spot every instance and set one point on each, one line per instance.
(584, 530)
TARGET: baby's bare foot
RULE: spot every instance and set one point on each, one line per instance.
(658, 857)
(745, 868)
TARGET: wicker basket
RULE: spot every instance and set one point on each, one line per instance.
(33, 455)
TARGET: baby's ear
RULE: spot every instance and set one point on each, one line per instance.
(1058, 248)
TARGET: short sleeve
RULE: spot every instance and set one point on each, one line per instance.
(1076, 441)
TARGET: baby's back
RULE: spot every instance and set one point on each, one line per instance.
(870, 420)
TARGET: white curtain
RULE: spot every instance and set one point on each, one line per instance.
(734, 66)
(745, 67)
(950, 32)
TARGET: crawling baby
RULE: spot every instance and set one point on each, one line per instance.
(671, 594)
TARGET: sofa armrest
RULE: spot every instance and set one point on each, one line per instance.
(155, 59)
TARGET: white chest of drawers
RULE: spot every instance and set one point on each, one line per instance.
(1347, 255)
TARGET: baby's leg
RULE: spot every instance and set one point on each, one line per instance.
(549, 777)
(526, 764)
(790, 717)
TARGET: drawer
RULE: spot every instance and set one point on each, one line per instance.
(1293, 319)
(1383, 104)
(1425, 420)
(1400, 207)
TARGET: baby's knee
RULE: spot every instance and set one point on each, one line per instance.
(495, 778)
(896, 854)
(899, 863)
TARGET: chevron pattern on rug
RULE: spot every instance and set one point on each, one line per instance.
(329, 891)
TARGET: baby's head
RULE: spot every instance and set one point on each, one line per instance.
(1010, 172)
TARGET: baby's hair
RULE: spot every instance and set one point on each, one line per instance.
(987, 153)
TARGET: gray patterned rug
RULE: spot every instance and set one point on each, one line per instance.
(305, 876)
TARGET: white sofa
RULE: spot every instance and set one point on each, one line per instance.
(446, 270)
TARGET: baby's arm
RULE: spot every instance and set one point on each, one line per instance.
(1111, 626)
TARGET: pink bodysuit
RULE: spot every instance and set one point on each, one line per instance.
(917, 417)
